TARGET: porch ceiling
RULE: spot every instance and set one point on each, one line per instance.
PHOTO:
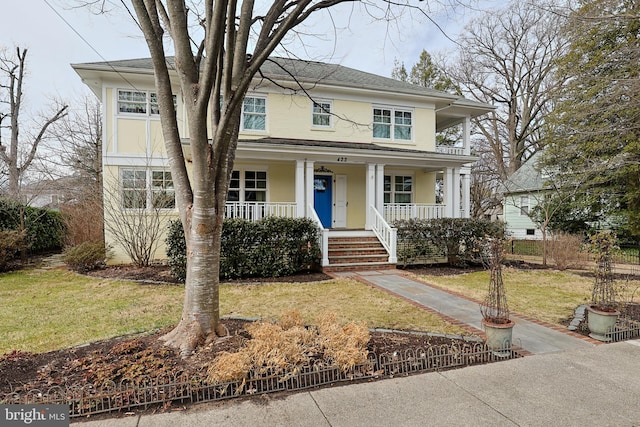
(331, 152)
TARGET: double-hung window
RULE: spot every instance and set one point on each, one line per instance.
(143, 189)
(254, 113)
(524, 205)
(139, 102)
(392, 123)
(398, 189)
(248, 186)
(321, 114)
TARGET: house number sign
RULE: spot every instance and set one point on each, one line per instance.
(342, 159)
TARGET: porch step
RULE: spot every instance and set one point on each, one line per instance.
(359, 267)
(359, 251)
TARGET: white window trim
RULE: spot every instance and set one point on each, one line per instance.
(148, 103)
(392, 192)
(148, 188)
(523, 204)
(330, 114)
(242, 179)
(266, 114)
(393, 110)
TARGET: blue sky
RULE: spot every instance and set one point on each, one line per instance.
(359, 41)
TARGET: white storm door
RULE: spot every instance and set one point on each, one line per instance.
(341, 202)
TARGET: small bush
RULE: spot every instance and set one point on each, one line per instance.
(11, 244)
(565, 250)
(86, 256)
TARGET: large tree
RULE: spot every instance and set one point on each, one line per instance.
(507, 58)
(214, 73)
(596, 124)
(23, 141)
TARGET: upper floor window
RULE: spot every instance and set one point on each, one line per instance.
(321, 115)
(139, 102)
(524, 205)
(254, 113)
(143, 188)
(391, 123)
(398, 189)
(248, 186)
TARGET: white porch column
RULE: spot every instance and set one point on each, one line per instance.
(380, 188)
(308, 186)
(466, 192)
(448, 192)
(300, 199)
(370, 194)
(456, 193)
(466, 135)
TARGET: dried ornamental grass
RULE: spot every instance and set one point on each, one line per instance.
(282, 348)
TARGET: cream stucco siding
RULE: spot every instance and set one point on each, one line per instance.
(281, 182)
(425, 184)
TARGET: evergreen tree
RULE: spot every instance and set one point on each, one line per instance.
(596, 122)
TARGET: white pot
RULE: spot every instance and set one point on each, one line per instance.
(499, 337)
(601, 322)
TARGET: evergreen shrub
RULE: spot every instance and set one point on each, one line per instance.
(270, 247)
(456, 239)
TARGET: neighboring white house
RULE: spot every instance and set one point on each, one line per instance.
(523, 190)
(354, 151)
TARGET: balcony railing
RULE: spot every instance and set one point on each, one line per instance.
(254, 211)
(446, 149)
(404, 211)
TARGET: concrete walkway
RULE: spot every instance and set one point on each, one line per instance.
(528, 335)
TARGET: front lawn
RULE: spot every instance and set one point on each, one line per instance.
(48, 310)
(547, 295)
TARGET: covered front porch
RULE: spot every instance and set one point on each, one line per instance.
(363, 188)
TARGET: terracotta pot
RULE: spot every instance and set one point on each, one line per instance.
(498, 337)
(601, 322)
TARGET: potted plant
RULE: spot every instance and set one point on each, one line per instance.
(603, 313)
(497, 326)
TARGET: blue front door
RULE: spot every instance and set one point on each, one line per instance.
(323, 198)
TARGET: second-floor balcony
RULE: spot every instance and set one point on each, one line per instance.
(447, 149)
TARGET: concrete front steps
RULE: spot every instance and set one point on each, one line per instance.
(356, 251)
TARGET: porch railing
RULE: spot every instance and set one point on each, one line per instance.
(387, 235)
(254, 211)
(404, 211)
(323, 238)
(445, 149)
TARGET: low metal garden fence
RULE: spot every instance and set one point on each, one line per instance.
(89, 399)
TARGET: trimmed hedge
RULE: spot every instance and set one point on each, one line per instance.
(271, 247)
(457, 239)
(44, 228)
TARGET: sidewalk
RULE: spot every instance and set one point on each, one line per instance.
(535, 338)
(552, 389)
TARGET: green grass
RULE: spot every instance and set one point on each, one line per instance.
(44, 311)
(546, 295)
(48, 310)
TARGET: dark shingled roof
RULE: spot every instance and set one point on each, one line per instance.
(312, 72)
(528, 178)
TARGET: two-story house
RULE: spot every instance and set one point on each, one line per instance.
(353, 150)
